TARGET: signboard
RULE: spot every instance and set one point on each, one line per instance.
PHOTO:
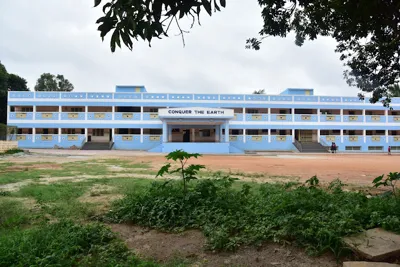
(204, 113)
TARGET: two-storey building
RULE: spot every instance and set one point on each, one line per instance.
(131, 118)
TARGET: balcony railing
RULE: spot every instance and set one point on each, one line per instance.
(353, 118)
(99, 115)
(306, 118)
(281, 117)
(127, 116)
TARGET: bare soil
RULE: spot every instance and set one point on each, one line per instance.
(165, 247)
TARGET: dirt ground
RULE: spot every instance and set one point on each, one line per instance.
(351, 168)
(190, 245)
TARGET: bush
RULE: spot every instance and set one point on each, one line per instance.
(12, 151)
(231, 216)
(65, 244)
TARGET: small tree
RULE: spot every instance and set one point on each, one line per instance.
(187, 173)
(391, 180)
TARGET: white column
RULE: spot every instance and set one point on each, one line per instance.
(269, 135)
(341, 136)
(59, 112)
(113, 115)
(112, 134)
(363, 113)
(86, 134)
(318, 135)
(269, 114)
(365, 135)
(244, 114)
(387, 116)
(141, 113)
(319, 119)
(193, 131)
(59, 135)
(341, 117)
(226, 132)
(169, 133)
(33, 135)
(387, 136)
(293, 115)
(164, 132)
(86, 112)
(244, 135)
(220, 133)
(141, 135)
(293, 135)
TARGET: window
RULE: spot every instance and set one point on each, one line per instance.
(369, 132)
(252, 132)
(27, 109)
(153, 110)
(45, 131)
(19, 131)
(235, 132)
(176, 130)
(134, 131)
(76, 109)
(336, 132)
(380, 132)
(205, 133)
(123, 131)
(156, 131)
(395, 148)
(70, 131)
(82, 131)
(375, 148)
(282, 132)
(252, 111)
(394, 113)
(353, 148)
(351, 112)
(98, 132)
(325, 132)
(352, 133)
(264, 131)
(394, 133)
(282, 111)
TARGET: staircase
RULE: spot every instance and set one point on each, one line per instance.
(311, 147)
(97, 146)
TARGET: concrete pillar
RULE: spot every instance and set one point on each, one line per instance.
(341, 117)
(169, 133)
(164, 132)
(113, 134)
(113, 115)
(319, 118)
(363, 113)
(227, 132)
(293, 135)
(387, 116)
(86, 134)
(293, 115)
(59, 135)
(193, 132)
(141, 135)
(141, 113)
(269, 135)
(387, 136)
(34, 111)
(365, 135)
(244, 114)
(318, 135)
(341, 136)
(220, 133)
(33, 135)
(86, 112)
(244, 135)
(269, 114)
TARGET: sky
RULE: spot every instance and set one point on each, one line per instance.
(61, 37)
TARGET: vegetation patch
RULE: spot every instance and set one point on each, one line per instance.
(12, 151)
(65, 244)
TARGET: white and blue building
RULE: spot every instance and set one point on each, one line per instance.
(133, 119)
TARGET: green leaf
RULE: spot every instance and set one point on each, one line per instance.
(164, 169)
(207, 6)
(97, 2)
(378, 179)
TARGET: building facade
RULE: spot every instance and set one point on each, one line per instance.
(133, 119)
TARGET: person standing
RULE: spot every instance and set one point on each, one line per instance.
(389, 151)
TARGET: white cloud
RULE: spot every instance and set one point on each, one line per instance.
(61, 37)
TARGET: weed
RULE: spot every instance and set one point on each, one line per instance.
(66, 244)
(231, 216)
(12, 213)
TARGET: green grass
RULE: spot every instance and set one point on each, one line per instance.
(66, 244)
(12, 213)
(231, 216)
(12, 151)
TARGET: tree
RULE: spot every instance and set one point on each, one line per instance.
(259, 92)
(367, 32)
(16, 83)
(3, 78)
(50, 82)
(394, 90)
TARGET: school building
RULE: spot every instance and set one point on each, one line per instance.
(133, 119)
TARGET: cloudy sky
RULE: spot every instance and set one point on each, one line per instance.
(60, 37)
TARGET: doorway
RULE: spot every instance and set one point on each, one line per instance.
(186, 136)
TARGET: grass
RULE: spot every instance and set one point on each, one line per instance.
(231, 216)
(66, 244)
(12, 151)
(12, 214)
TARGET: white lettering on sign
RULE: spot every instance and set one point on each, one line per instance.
(196, 113)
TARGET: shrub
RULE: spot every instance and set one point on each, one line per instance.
(232, 216)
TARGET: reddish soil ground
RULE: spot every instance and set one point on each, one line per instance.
(354, 169)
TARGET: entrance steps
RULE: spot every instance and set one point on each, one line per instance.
(97, 146)
(202, 148)
(311, 147)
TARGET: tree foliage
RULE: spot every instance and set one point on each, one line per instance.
(50, 82)
(367, 33)
(394, 90)
(16, 83)
(148, 19)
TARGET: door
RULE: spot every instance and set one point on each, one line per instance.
(186, 136)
